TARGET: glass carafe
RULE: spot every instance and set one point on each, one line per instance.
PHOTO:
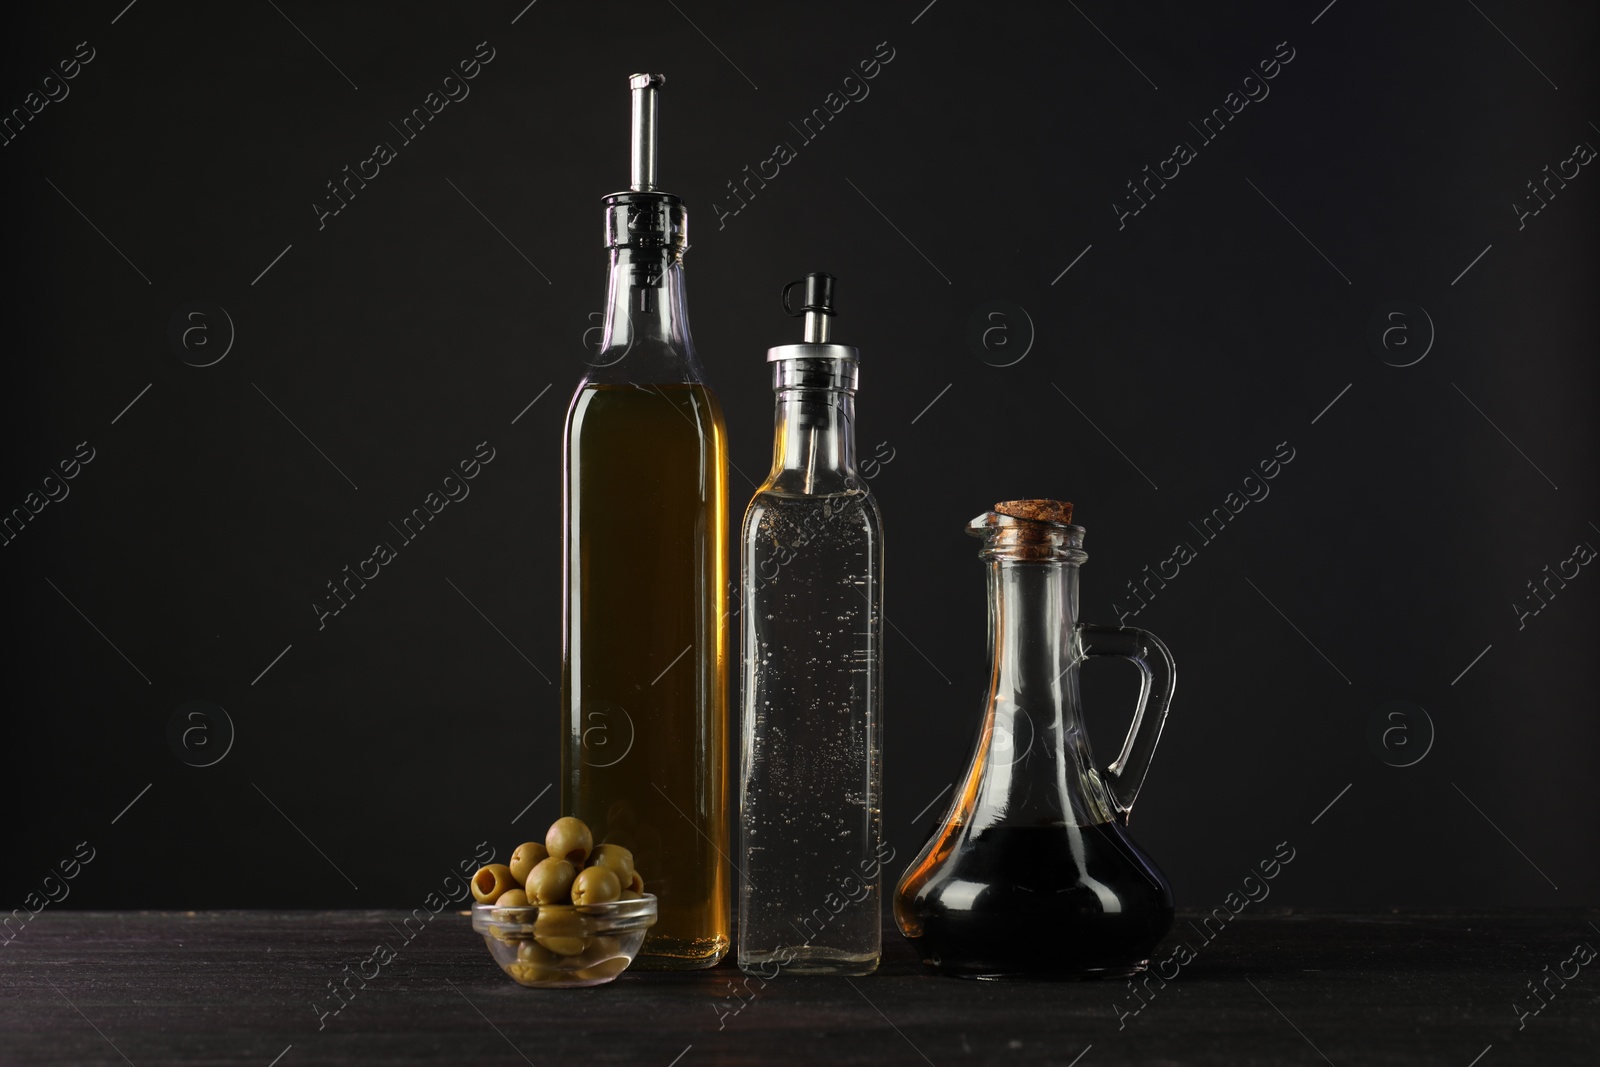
(1032, 873)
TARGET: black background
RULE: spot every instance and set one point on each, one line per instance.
(1196, 338)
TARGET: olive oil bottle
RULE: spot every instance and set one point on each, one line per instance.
(643, 679)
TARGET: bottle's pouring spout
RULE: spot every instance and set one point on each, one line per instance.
(646, 100)
(646, 228)
(816, 306)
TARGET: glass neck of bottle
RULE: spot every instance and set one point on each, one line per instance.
(646, 304)
(814, 443)
(1038, 766)
(1032, 608)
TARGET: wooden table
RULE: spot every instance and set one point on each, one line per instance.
(1269, 988)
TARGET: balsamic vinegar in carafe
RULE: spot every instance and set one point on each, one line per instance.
(644, 692)
(1032, 874)
(1044, 901)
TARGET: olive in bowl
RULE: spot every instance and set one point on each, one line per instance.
(557, 946)
(563, 912)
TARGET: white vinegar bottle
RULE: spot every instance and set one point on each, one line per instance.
(811, 562)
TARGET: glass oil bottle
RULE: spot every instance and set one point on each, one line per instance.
(811, 730)
(644, 659)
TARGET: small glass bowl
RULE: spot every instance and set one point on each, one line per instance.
(563, 946)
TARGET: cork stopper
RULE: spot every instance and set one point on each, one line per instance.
(1029, 530)
(1058, 512)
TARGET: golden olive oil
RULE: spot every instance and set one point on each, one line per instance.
(644, 685)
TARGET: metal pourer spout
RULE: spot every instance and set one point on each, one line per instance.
(646, 95)
(817, 306)
(817, 362)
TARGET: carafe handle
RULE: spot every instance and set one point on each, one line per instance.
(1158, 678)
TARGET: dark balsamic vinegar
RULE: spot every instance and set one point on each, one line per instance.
(1038, 902)
(1031, 874)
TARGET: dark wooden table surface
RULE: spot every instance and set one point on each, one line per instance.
(1270, 988)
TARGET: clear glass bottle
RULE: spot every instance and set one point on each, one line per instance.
(811, 731)
(1032, 873)
(645, 503)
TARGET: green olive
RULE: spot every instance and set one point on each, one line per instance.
(596, 885)
(490, 882)
(523, 859)
(535, 953)
(631, 894)
(637, 885)
(604, 969)
(512, 898)
(550, 881)
(569, 839)
(602, 948)
(561, 931)
(533, 974)
(613, 857)
(562, 946)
